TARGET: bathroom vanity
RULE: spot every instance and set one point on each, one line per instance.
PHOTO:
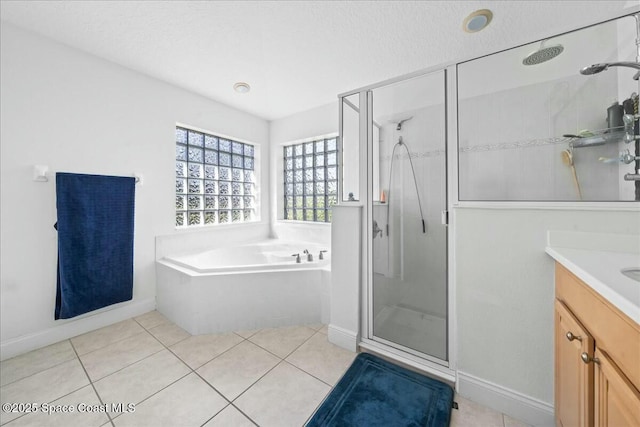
(597, 339)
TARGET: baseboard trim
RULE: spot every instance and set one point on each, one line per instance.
(517, 405)
(343, 338)
(25, 343)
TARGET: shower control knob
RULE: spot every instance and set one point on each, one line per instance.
(297, 258)
(321, 255)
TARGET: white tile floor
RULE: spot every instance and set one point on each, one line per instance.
(270, 377)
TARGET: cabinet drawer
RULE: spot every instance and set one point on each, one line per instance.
(613, 331)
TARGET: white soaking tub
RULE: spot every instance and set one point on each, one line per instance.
(245, 287)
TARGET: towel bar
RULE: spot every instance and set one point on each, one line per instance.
(41, 174)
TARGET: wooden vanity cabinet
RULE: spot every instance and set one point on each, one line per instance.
(617, 400)
(574, 378)
(597, 358)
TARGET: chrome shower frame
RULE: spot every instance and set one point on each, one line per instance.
(444, 369)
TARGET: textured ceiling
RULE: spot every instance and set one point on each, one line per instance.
(295, 54)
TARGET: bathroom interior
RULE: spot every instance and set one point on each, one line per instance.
(420, 212)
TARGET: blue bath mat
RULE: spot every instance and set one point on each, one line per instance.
(374, 392)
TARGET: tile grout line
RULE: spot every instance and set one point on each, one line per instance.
(46, 369)
(254, 383)
(128, 366)
(229, 402)
(232, 403)
(288, 354)
(275, 366)
(118, 340)
(131, 364)
(111, 343)
(153, 394)
(193, 371)
(91, 382)
(64, 395)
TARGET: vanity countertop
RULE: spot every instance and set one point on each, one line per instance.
(600, 269)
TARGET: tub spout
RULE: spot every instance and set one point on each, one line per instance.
(309, 256)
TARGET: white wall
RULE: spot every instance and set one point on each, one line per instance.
(505, 291)
(319, 121)
(74, 112)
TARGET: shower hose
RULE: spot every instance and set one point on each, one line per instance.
(415, 183)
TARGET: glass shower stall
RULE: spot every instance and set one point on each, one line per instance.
(394, 134)
(516, 129)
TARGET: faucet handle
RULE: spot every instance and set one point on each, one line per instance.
(321, 256)
(297, 258)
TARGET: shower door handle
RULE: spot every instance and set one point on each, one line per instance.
(444, 218)
(376, 230)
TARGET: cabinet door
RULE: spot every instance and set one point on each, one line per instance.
(617, 402)
(573, 377)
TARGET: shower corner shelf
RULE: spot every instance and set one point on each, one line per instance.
(598, 138)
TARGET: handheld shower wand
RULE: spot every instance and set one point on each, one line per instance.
(400, 143)
(598, 68)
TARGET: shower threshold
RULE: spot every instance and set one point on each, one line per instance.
(413, 329)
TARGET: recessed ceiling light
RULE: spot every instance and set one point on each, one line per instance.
(241, 87)
(477, 20)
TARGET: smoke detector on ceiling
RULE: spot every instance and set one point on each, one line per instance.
(477, 20)
(241, 87)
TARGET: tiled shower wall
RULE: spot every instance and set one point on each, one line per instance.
(511, 141)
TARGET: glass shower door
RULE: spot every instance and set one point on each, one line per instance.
(408, 240)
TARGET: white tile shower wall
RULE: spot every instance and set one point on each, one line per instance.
(77, 113)
(535, 172)
(539, 102)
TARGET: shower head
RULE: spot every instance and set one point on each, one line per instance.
(597, 68)
(399, 127)
(543, 54)
(593, 69)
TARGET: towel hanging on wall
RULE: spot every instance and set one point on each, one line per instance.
(95, 242)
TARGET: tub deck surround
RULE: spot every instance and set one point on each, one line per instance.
(244, 287)
(597, 260)
(268, 255)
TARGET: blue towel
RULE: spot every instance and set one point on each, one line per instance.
(95, 242)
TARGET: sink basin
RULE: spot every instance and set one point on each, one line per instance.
(632, 273)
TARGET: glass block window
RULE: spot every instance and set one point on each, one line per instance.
(310, 180)
(215, 181)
